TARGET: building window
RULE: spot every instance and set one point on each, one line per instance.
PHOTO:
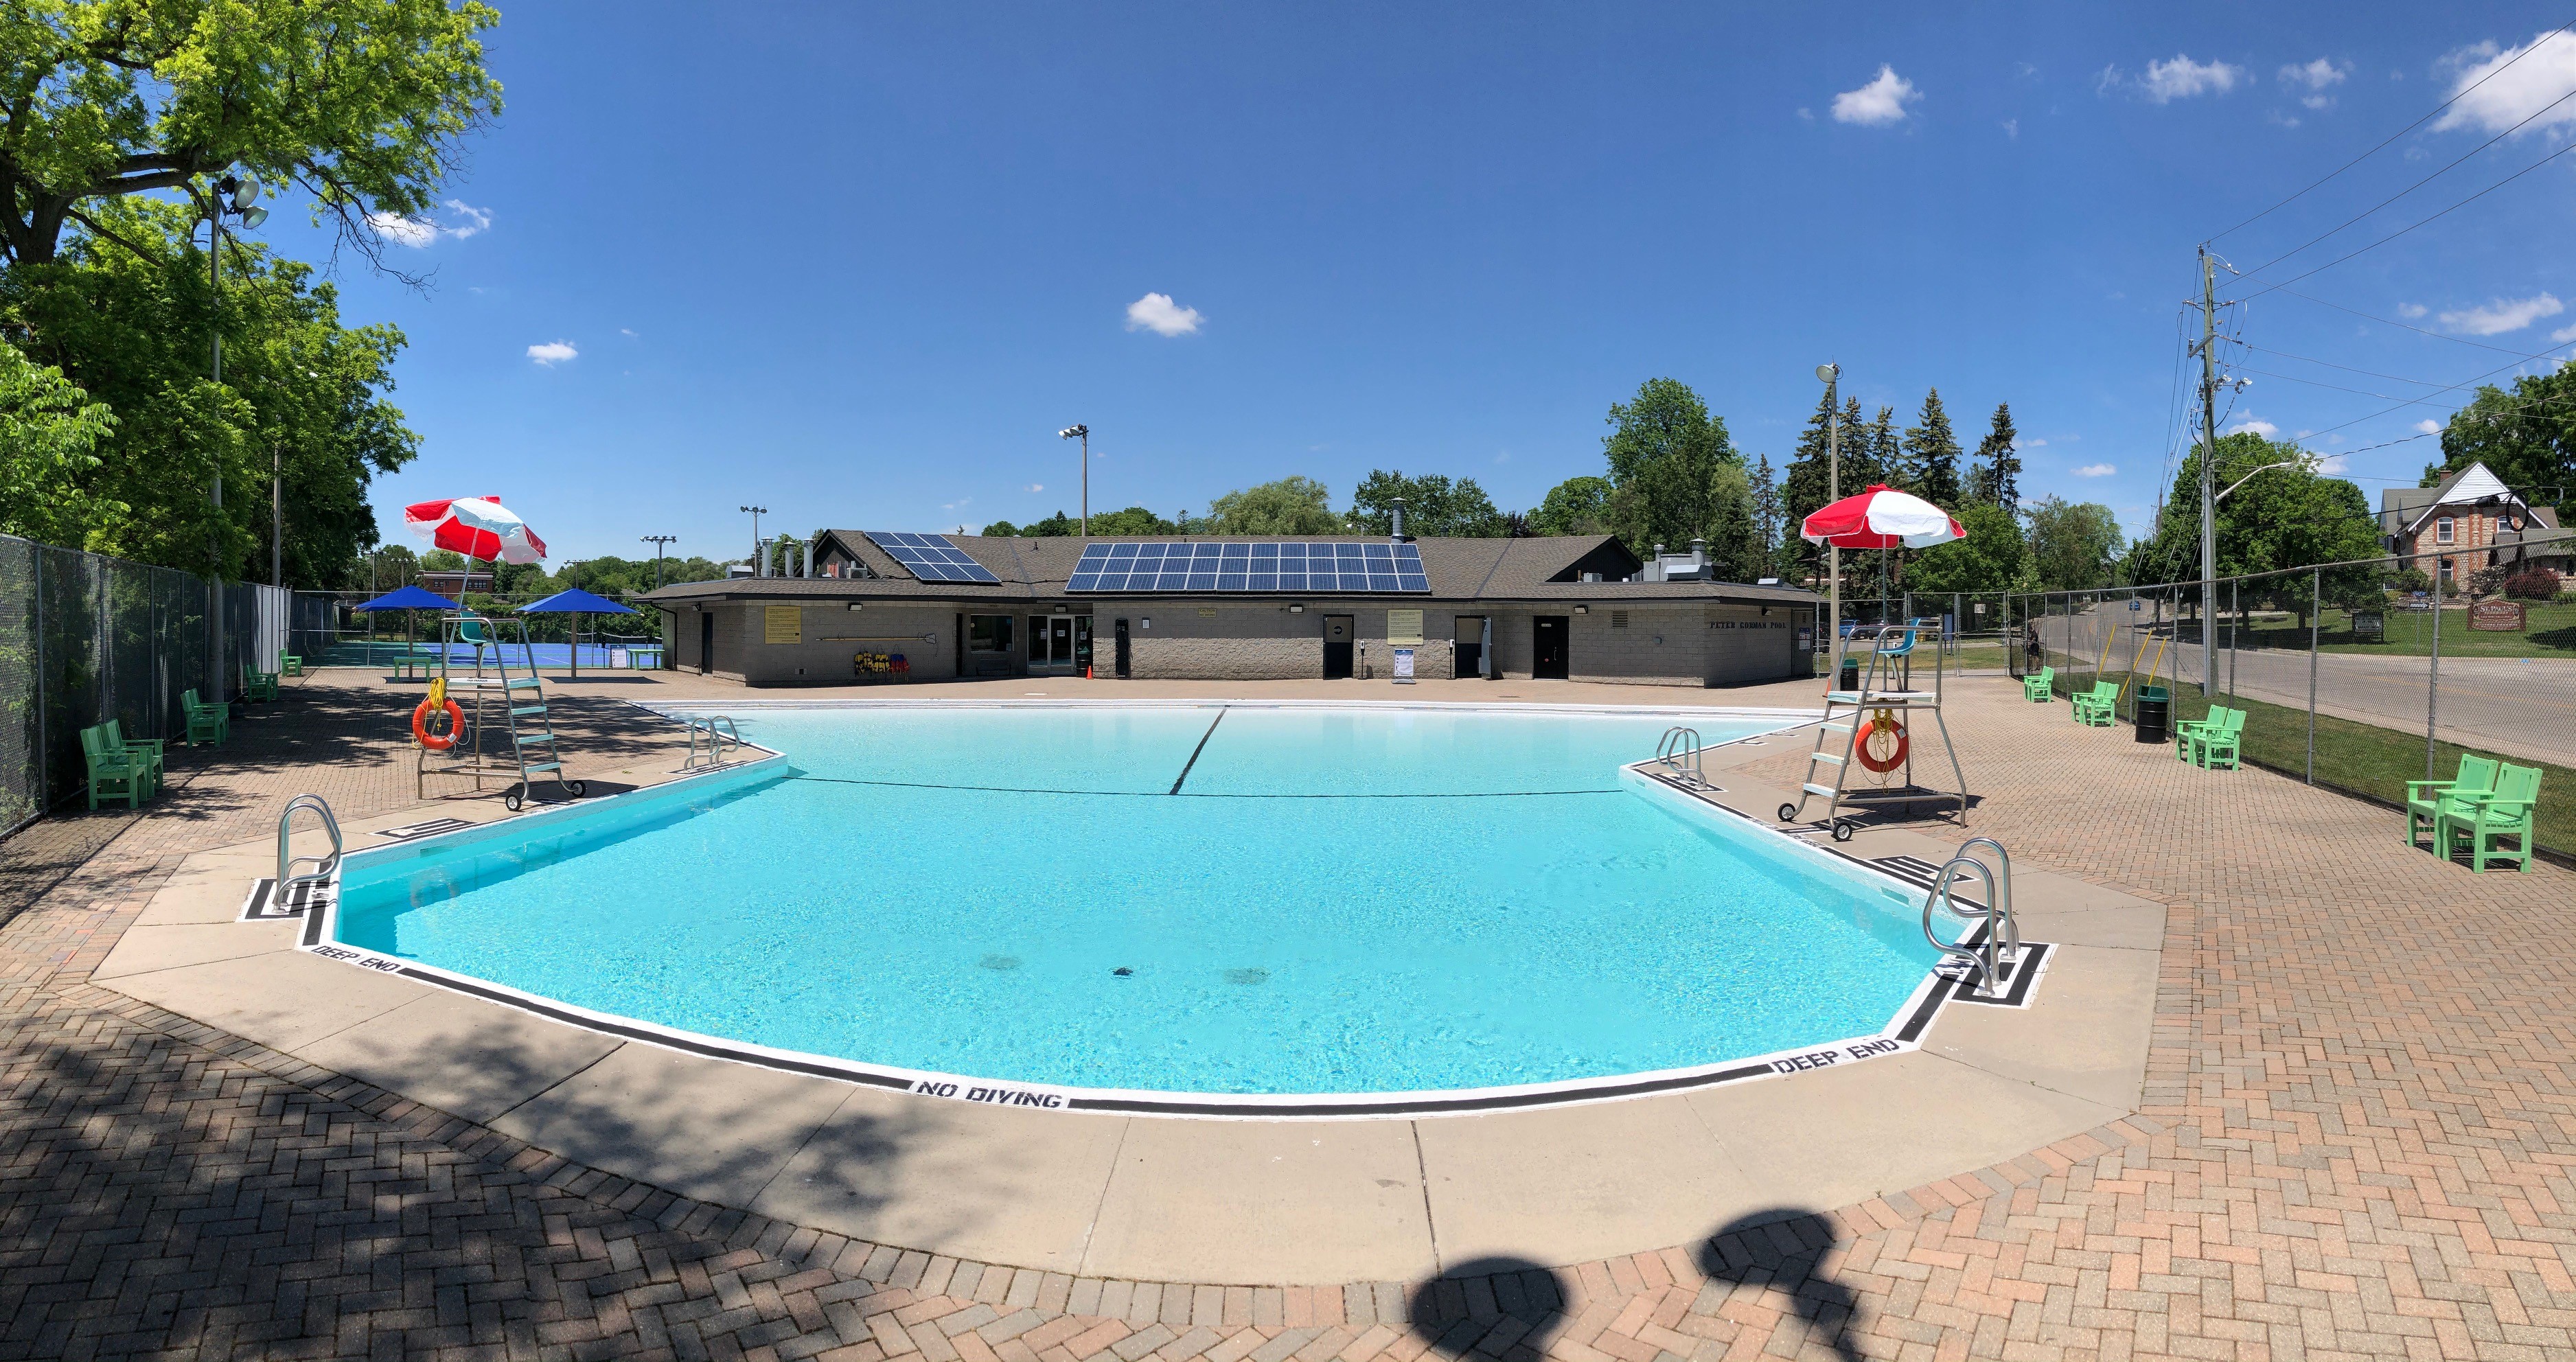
(2446, 569)
(992, 633)
(2442, 530)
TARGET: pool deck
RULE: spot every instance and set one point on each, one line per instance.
(2244, 1117)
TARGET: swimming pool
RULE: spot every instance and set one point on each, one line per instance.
(1238, 899)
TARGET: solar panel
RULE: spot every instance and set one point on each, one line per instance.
(1234, 565)
(931, 557)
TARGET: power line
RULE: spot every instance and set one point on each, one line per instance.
(2391, 321)
(2401, 132)
(2392, 236)
(2367, 373)
(2571, 94)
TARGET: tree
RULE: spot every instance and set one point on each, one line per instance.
(1803, 491)
(130, 319)
(1736, 553)
(1433, 505)
(49, 430)
(1992, 556)
(2286, 518)
(1669, 460)
(2526, 438)
(2076, 544)
(1291, 505)
(1996, 475)
(1133, 520)
(1932, 455)
(1768, 513)
(1574, 506)
(1878, 459)
(362, 103)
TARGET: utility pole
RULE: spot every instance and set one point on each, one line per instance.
(2208, 456)
(657, 541)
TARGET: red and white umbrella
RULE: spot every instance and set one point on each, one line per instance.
(1880, 519)
(476, 527)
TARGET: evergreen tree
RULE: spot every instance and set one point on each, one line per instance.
(1996, 476)
(1932, 455)
(1768, 515)
(1803, 492)
(1736, 553)
(1882, 458)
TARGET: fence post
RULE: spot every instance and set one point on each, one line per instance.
(44, 734)
(2316, 618)
(2235, 623)
(2433, 673)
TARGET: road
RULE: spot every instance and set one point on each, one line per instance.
(2523, 707)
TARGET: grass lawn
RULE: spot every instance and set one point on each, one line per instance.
(2550, 632)
(2360, 758)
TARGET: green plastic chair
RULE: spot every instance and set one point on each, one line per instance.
(2486, 819)
(290, 664)
(2096, 708)
(2185, 729)
(2427, 799)
(147, 750)
(112, 773)
(258, 685)
(2212, 743)
(2041, 686)
(206, 723)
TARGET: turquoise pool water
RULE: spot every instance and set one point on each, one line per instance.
(1336, 901)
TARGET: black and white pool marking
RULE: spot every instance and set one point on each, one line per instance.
(1903, 1032)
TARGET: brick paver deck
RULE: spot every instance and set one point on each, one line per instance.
(2356, 1141)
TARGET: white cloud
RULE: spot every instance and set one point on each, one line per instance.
(2315, 77)
(2501, 315)
(553, 352)
(1878, 103)
(2097, 470)
(2564, 333)
(2331, 465)
(2284, 120)
(2182, 78)
(2260, 427)
(627, 331)
(2410, 311)
(2012, 128)
(2516, 92)
(2029, 444)
(1807, 114)
(420, 230)
(1156, 312)
(2429, 426)
(1034, 487)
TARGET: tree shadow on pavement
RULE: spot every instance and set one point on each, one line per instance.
(1779, 1249)
(1501, 1307)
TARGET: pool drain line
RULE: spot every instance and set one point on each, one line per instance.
(1194, 752)
(1220, 794)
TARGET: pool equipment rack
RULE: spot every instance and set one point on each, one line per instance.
(1883, 690)
(517, 702)
(1987, 955)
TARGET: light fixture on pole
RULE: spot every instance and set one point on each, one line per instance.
(234, 196)
(1082, 433)
(658, 541)
(759, 557)
(1831, 375)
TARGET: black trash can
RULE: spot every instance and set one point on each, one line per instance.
(1850, 679)
(2155, 714)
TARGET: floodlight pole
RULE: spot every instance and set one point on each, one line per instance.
(1082, 433)
(657, 541)
(1833, 374)
(759, 555)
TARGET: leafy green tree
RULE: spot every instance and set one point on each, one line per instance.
(1574, 506)
(1667, 455)
(1291, 505)
(2076, 544)
(1133, 520)
(1932, 455)
(1992, 556)
(1996, 475)
(1433, 505)
(2527, 438)
(1736, 553)
(49, 430)
(362, 103)
(2287, 518)
(130, 319)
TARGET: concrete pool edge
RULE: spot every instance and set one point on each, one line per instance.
(1245, 1201)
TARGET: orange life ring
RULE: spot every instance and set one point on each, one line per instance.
(1868, 727)
(437, 742)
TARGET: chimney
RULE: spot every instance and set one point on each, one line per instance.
(1699, 552)
(1395, 530)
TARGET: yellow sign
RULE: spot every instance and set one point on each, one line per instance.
(786, 624)
(1404, 626)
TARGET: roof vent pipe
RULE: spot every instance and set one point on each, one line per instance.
(1699, 551)
(1395, 528)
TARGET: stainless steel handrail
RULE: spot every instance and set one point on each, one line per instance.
(715, 740)
(323, 866)
(1679, 753)
(2001, 945)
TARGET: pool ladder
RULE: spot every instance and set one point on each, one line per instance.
(323, 866)
(1679, 754)
(1998, 947)
(716, 741)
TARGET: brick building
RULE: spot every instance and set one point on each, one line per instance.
(1577, 608)
(2467, 522)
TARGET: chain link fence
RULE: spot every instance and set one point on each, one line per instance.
(2350, 678)
(332, 632)
(86, 638)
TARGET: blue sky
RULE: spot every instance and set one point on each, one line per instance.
(859, 263)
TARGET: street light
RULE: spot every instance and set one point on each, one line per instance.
(2300, 462)
(1082, 433)
(657, 541)
(1831, 375)
(234, 196)
(759, 560)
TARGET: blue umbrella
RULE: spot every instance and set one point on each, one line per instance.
(407, 599)
(575, 602)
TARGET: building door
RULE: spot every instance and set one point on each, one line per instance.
(1547, 658)
(1337, 647)
(1051, 643)
(1471, 646)
(706, 643)
(1123, 663)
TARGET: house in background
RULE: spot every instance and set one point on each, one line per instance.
(2469, 521)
